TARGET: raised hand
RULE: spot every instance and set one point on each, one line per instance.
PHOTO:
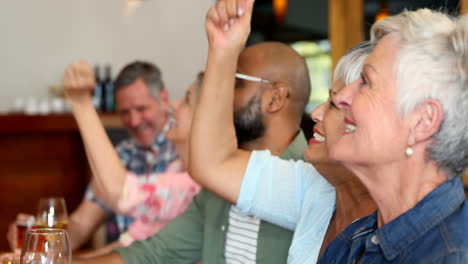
(228, 25)
(79, 81)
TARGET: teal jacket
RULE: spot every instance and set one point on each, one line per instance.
(200, 232)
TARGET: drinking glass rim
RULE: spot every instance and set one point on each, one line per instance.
(46, 231)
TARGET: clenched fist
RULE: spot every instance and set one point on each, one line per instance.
(228, 25)
(79, 81)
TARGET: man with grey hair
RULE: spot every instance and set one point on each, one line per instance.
(143, 103)
(144, 110)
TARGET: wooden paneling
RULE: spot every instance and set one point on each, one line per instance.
(465, 182)
(463, 6)
(345, 22)
(40, 156)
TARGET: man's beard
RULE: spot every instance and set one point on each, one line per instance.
(248, 121)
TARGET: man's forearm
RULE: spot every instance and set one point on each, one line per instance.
(83, 222)
(109, 174)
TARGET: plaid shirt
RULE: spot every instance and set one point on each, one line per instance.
(142, 162)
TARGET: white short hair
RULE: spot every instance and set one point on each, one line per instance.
(432, 63)
(349, 67)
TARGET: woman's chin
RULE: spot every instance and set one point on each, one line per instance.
(315, 153)
(339, 154)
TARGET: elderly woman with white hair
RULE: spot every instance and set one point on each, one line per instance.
(409, 143)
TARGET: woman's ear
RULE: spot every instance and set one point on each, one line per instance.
(276, 97)
(428, 118)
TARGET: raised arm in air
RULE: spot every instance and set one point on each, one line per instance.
(108, 171)
(215, 160)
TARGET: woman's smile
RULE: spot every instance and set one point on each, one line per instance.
(350, 126)
(317, 138)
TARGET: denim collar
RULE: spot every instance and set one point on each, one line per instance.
(161, 137)
(415, 223)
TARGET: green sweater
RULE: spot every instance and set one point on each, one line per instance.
(200, 232)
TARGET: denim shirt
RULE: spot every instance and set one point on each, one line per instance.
(433, 231)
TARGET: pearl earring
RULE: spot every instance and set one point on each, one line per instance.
(409, 151)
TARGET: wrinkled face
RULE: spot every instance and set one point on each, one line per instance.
(141, 113)
(182, 113)
(378, 133)
(329, 127)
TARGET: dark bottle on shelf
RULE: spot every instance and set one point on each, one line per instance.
(108, 90)
(98, 90)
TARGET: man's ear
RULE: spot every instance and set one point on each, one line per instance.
(164, 98)
(276, 97)
(427, 119)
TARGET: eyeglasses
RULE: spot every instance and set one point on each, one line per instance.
(255, 79)
(252, 78)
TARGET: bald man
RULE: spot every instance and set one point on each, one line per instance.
(266, 113)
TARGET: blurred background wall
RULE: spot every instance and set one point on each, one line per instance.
(39, 38)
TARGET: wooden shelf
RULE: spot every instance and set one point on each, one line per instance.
(111, 120)
(21, 123)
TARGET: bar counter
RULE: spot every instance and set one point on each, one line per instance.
(41, 156)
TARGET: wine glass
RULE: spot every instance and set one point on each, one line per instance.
(52, 213)
(46, 246)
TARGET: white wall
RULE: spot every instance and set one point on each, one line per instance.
(39, 38)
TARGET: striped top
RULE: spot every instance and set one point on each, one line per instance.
(241, 238)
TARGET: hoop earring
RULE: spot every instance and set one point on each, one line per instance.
(409, 152)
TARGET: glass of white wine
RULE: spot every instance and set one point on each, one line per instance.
(46, 246)
(52, 213)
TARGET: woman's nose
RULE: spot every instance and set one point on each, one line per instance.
(318, 112)
(344, 98)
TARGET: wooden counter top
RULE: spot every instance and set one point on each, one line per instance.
(20, 123)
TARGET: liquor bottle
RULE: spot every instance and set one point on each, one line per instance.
(108, 88)
(98, 90)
